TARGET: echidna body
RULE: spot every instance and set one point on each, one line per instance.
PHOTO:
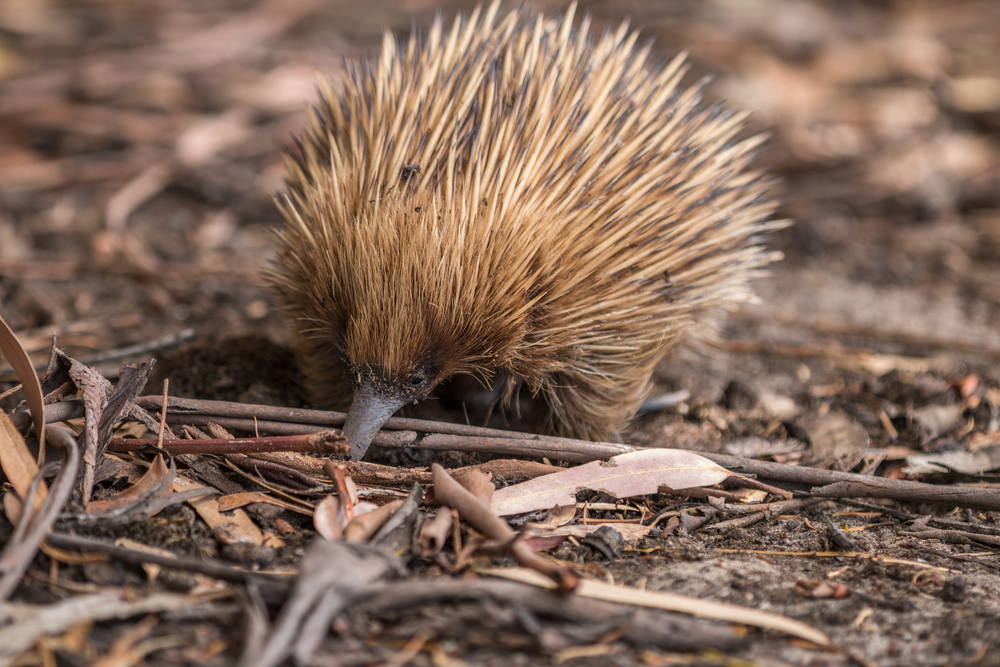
(513, 200)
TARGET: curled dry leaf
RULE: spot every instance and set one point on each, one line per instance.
(157, 480)
(15, 354)
(634, 474)
(331, 521)
(328, 518)
(364, 524)
(104, 405)
(16, 460)
(478, 483)
(434, 533)
(18, 465)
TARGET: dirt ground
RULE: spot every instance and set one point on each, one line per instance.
(140, 145)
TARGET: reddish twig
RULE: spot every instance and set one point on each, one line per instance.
(324, 442)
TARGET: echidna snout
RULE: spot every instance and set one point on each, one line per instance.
(377, 396)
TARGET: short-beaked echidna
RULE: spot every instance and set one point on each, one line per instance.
(512, 199)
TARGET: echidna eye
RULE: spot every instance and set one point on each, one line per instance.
(416, 380)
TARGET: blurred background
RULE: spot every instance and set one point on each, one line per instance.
(141, 143)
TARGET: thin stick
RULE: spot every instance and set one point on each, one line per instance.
(191, 407)
(324, 442)
(450, 493)
(163, 415)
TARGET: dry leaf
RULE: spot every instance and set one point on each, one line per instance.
(227, 529)
(720, 611)
(556, 517)
(12, 350)
(15, 459)
(104, 405)
(936, 420)
(435, 532)
(837, 442)
(633, 474)
(970, 463)
(18, 464)
(365, 523)
(155, 477)
(328, 518)
(236, 500)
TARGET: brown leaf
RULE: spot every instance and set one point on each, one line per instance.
(95, 391)
(233, 529)
(151, 482)
(236, 500)
(837, 442)
(364, 524)
(17, 357)
(634, 474)
(478, 483)
(15, 458)
(104, 405)
(18, 464)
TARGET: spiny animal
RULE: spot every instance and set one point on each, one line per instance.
(515, 200)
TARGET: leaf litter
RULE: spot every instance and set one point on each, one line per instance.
(889, 167)
(636, 474)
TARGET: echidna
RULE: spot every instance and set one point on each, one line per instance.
(514, 200)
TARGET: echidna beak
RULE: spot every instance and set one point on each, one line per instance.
(368, 413)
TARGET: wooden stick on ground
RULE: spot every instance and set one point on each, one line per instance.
(816, 482)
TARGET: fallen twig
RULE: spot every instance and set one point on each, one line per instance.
(191, 407)
(449, 492)
(836, 484)
(33, 527)
(273, 586)
(718, 610)
(953, 537)
(823, 483)
(324, 442)
(509, 470)
(772, 510)
(564, 449)
(320, 593)
(665, 630)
